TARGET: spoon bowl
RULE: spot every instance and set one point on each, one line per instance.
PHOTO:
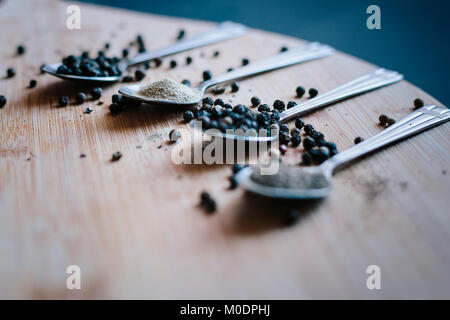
(52, 69)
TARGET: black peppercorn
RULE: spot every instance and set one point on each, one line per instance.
(283, 49)
(63, 101)
(107, 45)
(219, 102)
(313, 92)
(418, 103)
(235, 86)
(299, 123)
(284, 137)
(245, 61)
(300, 91)
(383, 119)
(10, 72)
(390, 121)
(115, 108)
(216, 53)
(284, 128)
(173, 64)
(296, 139)
(127, 78)
(291, 104)
(208, 101)
(32, 84)
(125, 53)
(157, 62)
(181, 34)
(116, 156)
(218, 90)
(116, 98)
(139, 75)
(2, 101)
(207, 75)
(358, 140)
(20, 50)
(188, 116)
(279, 105)
(263, 108)
(306, 158)
(308, 143)
(308, 128)
(188, 60)
(186, 82)
(295, 131)
(88, 110)
(80, 97)
(208, 203)
(230, 69)
(96, 93)
(255, 101)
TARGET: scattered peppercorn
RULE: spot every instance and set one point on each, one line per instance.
(115, 108)
(299, 123)
(127, 78)
(245, 61)
(107, 45)
(80, 97)
(263, 108)
(100, 102)
(186, 82)
(284, 128)
(188, 60)
(141, 44)
(306, 158)
(255, 101)
(20, 50)
(295, 131)
(218, 90)
(139, 75)
(157, 62)
(188, 116)
(125, 53)
(63, 101)
(88, 110)
(296, 139)
(358, 140)
(308, 143)
(291, 104)
(235, 86)
(207, 75)
(216, 53)
(116, 156)
(418, 103)
(390, 121)
(32, 83)
(283, 49)
(82, 155)
(233, 182)
(173, 64)
(181, 34)
(308, 128)
(313, 92)
(230, 69)
(208, 203)
(300, 91)
(219, 102)
(383, 119)
(10, 72)
(96, 93)
(174, 135)
(2, 101)
(279, 105)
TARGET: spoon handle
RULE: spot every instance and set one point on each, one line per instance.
(419, 120)
(367, 82)
(225, 30)
(293, 56)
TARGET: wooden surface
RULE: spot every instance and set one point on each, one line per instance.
(134, 226)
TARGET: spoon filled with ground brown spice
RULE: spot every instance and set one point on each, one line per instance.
(315, 182)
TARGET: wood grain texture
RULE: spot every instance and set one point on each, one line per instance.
(134, 226)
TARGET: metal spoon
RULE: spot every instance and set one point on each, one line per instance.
(309, 52)
(225, 30)
(371, 81)
(317, 180)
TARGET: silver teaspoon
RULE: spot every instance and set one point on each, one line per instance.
(225, 30)
(309, 52)
(315, 182)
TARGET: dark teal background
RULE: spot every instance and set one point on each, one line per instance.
(414, 38)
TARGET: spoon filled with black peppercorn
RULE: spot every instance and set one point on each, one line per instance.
(241, 123)
(109, 69)
(184, 95)
(315, 182)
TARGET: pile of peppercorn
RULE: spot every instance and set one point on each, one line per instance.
(101, 66)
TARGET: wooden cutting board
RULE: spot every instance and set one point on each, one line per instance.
(134, 226)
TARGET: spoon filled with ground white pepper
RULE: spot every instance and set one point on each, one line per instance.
(315, 182)
(109, 69)
(168, 91)
(242, 124)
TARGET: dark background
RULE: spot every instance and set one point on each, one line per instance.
(414, 36)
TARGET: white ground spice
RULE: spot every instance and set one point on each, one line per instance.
(168, 89)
